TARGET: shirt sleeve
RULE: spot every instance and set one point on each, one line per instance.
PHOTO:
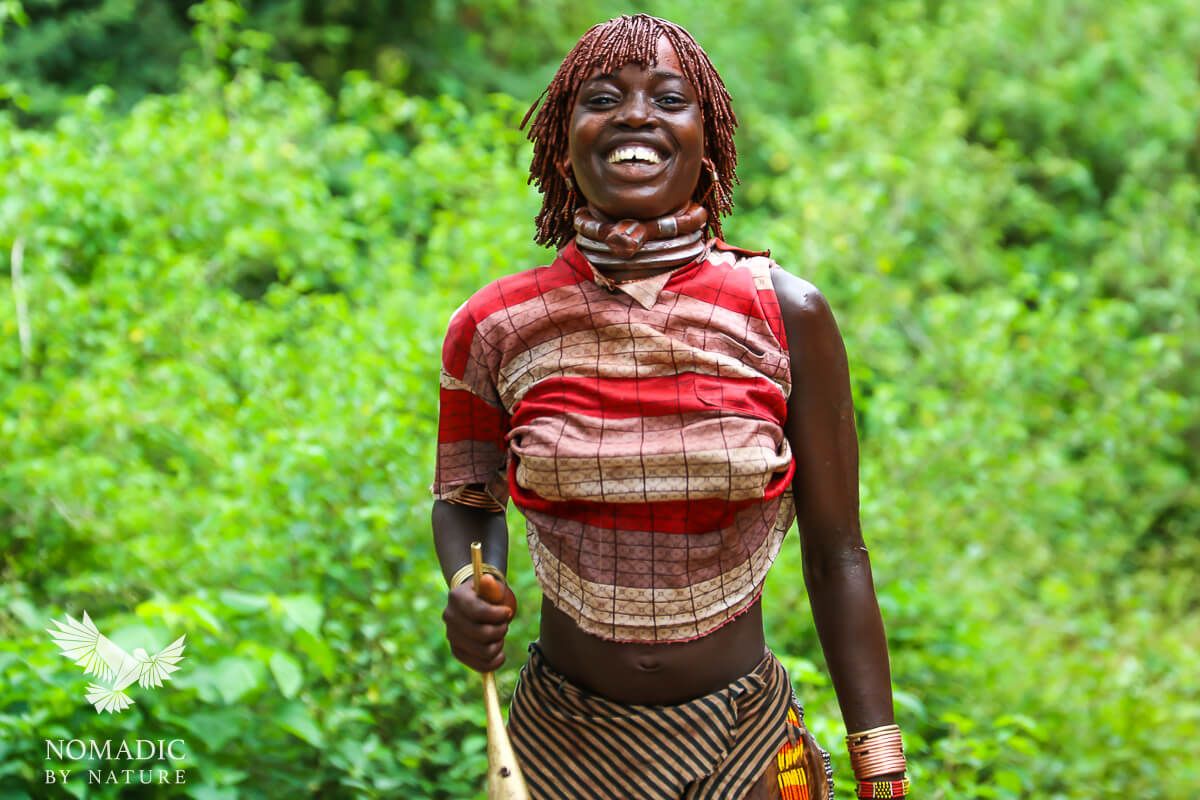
(472, 422)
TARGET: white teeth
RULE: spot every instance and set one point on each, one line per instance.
(634, 153)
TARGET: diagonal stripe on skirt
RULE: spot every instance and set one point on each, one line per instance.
(575, 745)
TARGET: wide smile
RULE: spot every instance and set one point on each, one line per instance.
(636, 162)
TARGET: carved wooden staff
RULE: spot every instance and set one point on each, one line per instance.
(504, 776)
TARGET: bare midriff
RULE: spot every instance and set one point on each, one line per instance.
(652, 673)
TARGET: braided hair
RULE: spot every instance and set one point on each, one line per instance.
(607, 47)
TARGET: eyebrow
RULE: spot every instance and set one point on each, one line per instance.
(660, 74)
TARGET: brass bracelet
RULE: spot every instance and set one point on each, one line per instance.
(875, 752)
(475, 498)
(467, 572)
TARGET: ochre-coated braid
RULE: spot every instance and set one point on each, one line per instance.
(608, 47)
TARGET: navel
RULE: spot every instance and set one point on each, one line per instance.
(648, 663)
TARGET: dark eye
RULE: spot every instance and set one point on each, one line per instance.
(672, 101)
(600, 101)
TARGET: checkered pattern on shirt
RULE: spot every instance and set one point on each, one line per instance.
(640, 434)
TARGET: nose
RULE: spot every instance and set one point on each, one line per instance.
(636, 111)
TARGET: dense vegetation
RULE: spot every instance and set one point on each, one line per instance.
(221, 310)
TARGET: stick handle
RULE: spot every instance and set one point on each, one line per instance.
(505, 781)
(477, 563)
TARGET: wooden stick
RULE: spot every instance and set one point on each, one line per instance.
(505, 781)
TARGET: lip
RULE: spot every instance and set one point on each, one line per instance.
(635, 171)
(663, 151)
(650, 142)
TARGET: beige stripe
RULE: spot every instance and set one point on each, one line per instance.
(540, 320)
(760, 268)
(574, 457)
(470, 461)
(633, 350)
(659, 559)
(736, 474)
(722, 258)
(646, 292)
(476, 379)
(618, 612)
(448, 381)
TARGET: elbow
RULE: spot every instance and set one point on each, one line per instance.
(834, 566)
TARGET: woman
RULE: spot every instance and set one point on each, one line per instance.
(661, 406)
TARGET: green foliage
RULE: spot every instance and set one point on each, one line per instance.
(464, 49)
(68, 46)
(222, 310)
(225, 419)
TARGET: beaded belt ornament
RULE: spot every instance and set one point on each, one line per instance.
(876, 789)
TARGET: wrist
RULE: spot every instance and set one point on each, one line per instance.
(877, 758)
(466, 573)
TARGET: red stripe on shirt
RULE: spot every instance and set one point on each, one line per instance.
(464, 416)
(623, 398)
(513, 289)
(678, 516)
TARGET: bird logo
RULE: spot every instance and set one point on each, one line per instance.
(115, 669)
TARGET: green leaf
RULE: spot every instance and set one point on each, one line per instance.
(235, 676)
(295, 718)
(318, 652)
(287, 673)
(304, 611)
(246, 603)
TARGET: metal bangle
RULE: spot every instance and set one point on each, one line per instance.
(467, 573)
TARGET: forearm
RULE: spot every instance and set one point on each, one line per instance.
(849, 625)
(455, 526)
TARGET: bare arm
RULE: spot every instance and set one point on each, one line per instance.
(837, 571)
(475, 628)
(456, 526)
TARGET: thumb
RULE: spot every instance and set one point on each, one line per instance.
(490, 589)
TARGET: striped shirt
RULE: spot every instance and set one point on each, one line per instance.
(639, 429)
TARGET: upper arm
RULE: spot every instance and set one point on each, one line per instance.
(820, 423)
(472, 449)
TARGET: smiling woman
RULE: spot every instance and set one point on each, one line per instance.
(661, 407)
(626, 46)
(636, 139)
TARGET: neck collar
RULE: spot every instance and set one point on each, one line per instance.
(667, 244)
(644, 291)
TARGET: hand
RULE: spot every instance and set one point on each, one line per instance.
(477, 624)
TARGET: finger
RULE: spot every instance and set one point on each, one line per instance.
(476, 609)
(458, 629)
(479, 664)
(479, 651)
(510, 600)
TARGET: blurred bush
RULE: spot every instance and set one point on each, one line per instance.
(224, 307)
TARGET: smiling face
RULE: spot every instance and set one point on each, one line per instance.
(636, 139)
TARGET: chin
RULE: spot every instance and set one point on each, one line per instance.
(651, 208)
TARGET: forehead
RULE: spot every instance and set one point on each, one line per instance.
(665, 58)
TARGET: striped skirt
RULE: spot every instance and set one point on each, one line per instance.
(575, 745)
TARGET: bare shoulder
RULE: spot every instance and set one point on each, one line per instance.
(805, 310)
(820, 371)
